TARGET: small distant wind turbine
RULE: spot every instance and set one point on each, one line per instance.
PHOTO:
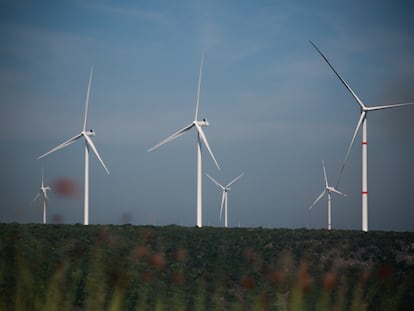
(43, 193)
(226, 189)
(362, 120)
(88, 144)
(201, 137)
(328, 189)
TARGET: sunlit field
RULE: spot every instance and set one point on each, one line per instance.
(76, 267)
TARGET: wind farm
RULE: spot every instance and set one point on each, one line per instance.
(88, 145)
(362, 120)
(273, 108)
(201, 141)
(176, 226)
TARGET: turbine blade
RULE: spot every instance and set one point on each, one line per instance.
(205, 142)
(360, 103)
(338, 192)
(361, 119)
(91, 144)
(36, 197)
(388, 106)
(324, 174)
(172, 137)
(199, 86)
(87, 99)
(234, 180)
(216, 182)
(62, 145)
(42, 177)
(317, 200)
(223, 200)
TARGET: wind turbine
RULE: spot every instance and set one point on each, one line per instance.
(88, 145)
(201, 138)
(43, 193)
(362, 120)
(226, 189)
(329, 190)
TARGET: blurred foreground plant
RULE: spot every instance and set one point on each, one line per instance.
(171, 268)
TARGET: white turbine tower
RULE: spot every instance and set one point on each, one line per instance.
(226, 189)
(88, 144)
(329, 190)
(362, 120)
(201, 137)
(43, 193)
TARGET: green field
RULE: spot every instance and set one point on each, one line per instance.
(76, 267)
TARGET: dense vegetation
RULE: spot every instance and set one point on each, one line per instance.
(76, 267)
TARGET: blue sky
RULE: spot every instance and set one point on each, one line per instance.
(275, 109)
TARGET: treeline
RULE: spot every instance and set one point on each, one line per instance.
(105, 267)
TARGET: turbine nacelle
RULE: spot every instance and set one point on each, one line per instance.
(91, 132)
(203, 122)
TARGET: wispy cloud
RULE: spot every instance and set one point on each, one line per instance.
(158, 16)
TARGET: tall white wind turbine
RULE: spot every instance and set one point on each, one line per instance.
(362, 121)
(88, 145)
(226, 189)
(201, 138)
(43, 193)
(329, 190)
